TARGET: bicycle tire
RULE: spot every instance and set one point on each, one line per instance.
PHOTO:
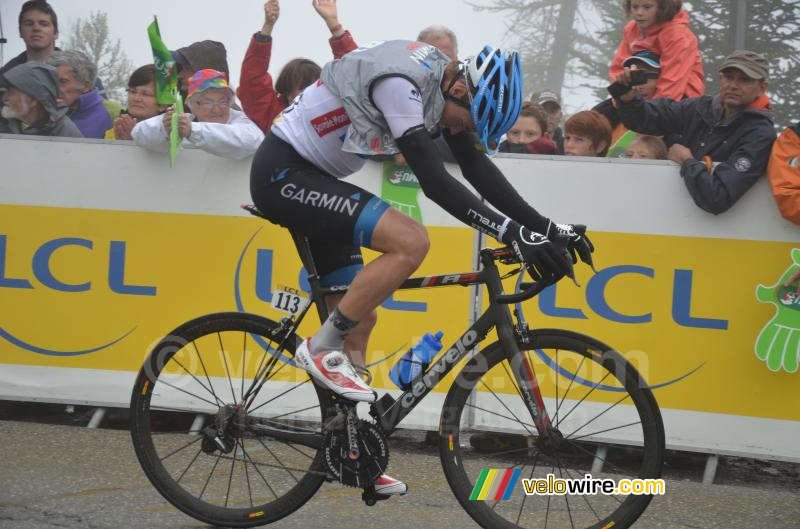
(156, 402)
(463, 457)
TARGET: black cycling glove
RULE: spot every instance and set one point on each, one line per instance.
(544, 260)
(574, 238)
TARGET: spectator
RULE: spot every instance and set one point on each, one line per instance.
(142, 103)
(38, 28)
(441, 37)
(261, 101)
(551, 103)
(662, 27)
(784, 174)
(529, 127)
(29, 102)
(202, 55)
(621, 137)
(88, 110)
(726, 139)
(587, 133)
(217, 129)
(645, 147)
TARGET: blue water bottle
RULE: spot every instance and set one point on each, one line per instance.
(416, 360)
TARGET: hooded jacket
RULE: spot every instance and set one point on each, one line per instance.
(237, 139)
(784, 173)
(91, 116)
(206, 55)
(681, 66)
(39, 81)
(730, 154)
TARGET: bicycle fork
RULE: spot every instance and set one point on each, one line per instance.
(526, 381)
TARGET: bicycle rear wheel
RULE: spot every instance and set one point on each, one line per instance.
(602, 414)
(194, 380)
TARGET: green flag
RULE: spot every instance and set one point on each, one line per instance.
(166, 71)
(166, 85)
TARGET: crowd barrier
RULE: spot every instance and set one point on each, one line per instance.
(104, 249)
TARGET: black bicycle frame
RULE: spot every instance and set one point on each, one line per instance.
(497, 315)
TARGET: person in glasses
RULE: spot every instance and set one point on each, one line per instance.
(142, 103)
(212, 126)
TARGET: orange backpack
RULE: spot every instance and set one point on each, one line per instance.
(784, 173)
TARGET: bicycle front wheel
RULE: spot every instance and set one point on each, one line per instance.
(604, 422)
(194, 383)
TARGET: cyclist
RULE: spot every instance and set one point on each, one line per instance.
(387, 98)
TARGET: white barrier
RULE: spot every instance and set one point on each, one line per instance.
(104, 249)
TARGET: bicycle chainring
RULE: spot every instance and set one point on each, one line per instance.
(372, 460)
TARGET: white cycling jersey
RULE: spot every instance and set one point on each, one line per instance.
(316, 123)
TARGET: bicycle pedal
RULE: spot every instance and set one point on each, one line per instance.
(370, 497)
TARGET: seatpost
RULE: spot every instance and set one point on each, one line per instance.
(304, 250)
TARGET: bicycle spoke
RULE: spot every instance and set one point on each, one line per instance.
(549, 497)
(230, 477)
(513, 419)
(255, 466)
(244, 351)
(205, 371)
(524, 497)
(278, 396)
(246, 473)
(566, 496)
(555, 418)
(584, 496)
(626, 396)
(209, 476)
(295, 411)
(219, 402)
(200, 451)
(587, 395)
(187, 445)
(297, 450)
(587, 452)
(278, 460)
(569, 387)
(214, 404)
(225, 364)
(604, 431)
(506, 407)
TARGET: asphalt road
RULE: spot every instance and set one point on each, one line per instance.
(72, 477)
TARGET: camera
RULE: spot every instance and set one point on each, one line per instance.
(640, 77)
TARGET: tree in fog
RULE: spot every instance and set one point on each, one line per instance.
(773, 28)
(91, 36)
(570, 43)
(559, 39)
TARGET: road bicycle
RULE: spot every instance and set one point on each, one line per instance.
(231, 432)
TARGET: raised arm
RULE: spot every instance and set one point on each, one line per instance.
(256, 91)
(341, 41)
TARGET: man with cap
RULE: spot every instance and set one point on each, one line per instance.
(725, 139)
(29, 102)
(550, 101)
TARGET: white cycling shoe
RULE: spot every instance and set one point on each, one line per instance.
(334, 371)
(388, 486)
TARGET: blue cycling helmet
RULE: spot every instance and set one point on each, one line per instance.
(495, 79)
